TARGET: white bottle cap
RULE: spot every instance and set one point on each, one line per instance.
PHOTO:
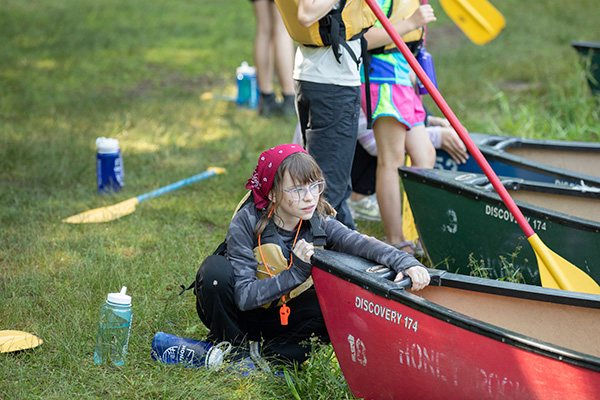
(120, 298)
(245, 69)
(106, 145)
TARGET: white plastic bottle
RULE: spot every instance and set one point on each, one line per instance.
(114, 329)
(110, 173)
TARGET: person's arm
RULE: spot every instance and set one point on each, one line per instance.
(377, 37)
(345, 240)
(310, 11)
(437, 121)
(454, 146)
(447, 139)
(249, 291)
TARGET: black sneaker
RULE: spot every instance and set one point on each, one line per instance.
(267, 105)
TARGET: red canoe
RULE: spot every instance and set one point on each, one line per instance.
(460, 338)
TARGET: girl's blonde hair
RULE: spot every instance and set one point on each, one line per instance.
(303, 170)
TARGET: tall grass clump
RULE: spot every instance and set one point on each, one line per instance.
(568, 109)
(508, 273)
(320, 378)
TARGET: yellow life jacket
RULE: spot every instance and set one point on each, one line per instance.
(354, 17)
(349, 20)
(276, 262)
(400, 10)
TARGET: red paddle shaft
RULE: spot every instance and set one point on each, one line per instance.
(462, 132)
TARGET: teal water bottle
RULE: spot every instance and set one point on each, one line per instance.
(114, 329)
(247, 85)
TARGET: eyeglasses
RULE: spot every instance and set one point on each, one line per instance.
(299, 193)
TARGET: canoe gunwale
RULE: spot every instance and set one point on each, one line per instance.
(557, 173)
(488, 194)
(586, 44)
(506, 142)
(494, 149)
(335, 264)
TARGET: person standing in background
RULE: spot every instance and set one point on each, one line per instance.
(273, 52)
(398, 112)
(327, 75)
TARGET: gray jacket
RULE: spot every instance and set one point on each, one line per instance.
(251, 293)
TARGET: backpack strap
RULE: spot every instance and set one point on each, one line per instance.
(319, 235)
(331, 26)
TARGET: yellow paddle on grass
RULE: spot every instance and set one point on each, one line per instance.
(17, 340)
(110, 213)
(478, 19)
(555, 271)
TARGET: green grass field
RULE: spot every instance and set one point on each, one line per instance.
(71, 71)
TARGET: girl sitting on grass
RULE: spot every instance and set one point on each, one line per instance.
(241, 301)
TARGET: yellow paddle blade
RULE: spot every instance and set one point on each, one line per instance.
(558, 273)
(409, 229)
(104, 214)
(17, 340)
(217, 170)
(478, 19)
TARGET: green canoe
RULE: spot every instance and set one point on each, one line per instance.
(459, 214)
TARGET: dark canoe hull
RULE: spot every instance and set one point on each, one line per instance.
(552, 161)
(458, 215)
(591, 51)
(391, 343)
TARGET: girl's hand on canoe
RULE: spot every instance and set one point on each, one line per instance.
(304, 250)
(418, 275)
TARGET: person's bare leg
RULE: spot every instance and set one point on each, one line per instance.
(419, 147)
(390, 137)
(263, 46)
(283, 52)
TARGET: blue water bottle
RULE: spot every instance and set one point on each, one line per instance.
(426, 61)
(247, 86)
(171, 349)
(114, 329)
(109, 166)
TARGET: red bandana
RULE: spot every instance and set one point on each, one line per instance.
(264, 173)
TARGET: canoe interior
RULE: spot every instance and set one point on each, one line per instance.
(576, 161)
(558, 324)
(568, 163)
(572, 201)
(582, 207)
